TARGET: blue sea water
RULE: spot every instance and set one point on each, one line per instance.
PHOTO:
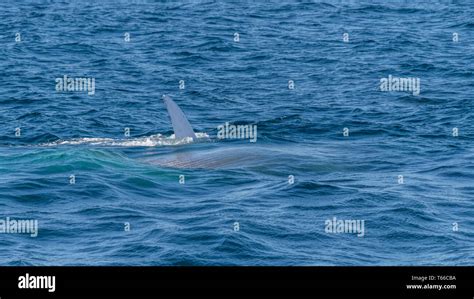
(119, 181)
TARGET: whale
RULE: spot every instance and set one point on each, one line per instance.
(186, 148)
(208, 156)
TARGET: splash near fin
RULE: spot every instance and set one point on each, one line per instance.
(181, 126)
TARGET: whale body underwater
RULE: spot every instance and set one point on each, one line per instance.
(188, 149)
(211, 155)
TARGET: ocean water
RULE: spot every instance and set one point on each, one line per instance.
(237, 204)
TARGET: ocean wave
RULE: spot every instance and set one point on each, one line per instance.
(153, 140)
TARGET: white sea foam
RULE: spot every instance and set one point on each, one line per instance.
(153, 140)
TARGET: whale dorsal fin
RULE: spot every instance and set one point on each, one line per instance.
(181, 126)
